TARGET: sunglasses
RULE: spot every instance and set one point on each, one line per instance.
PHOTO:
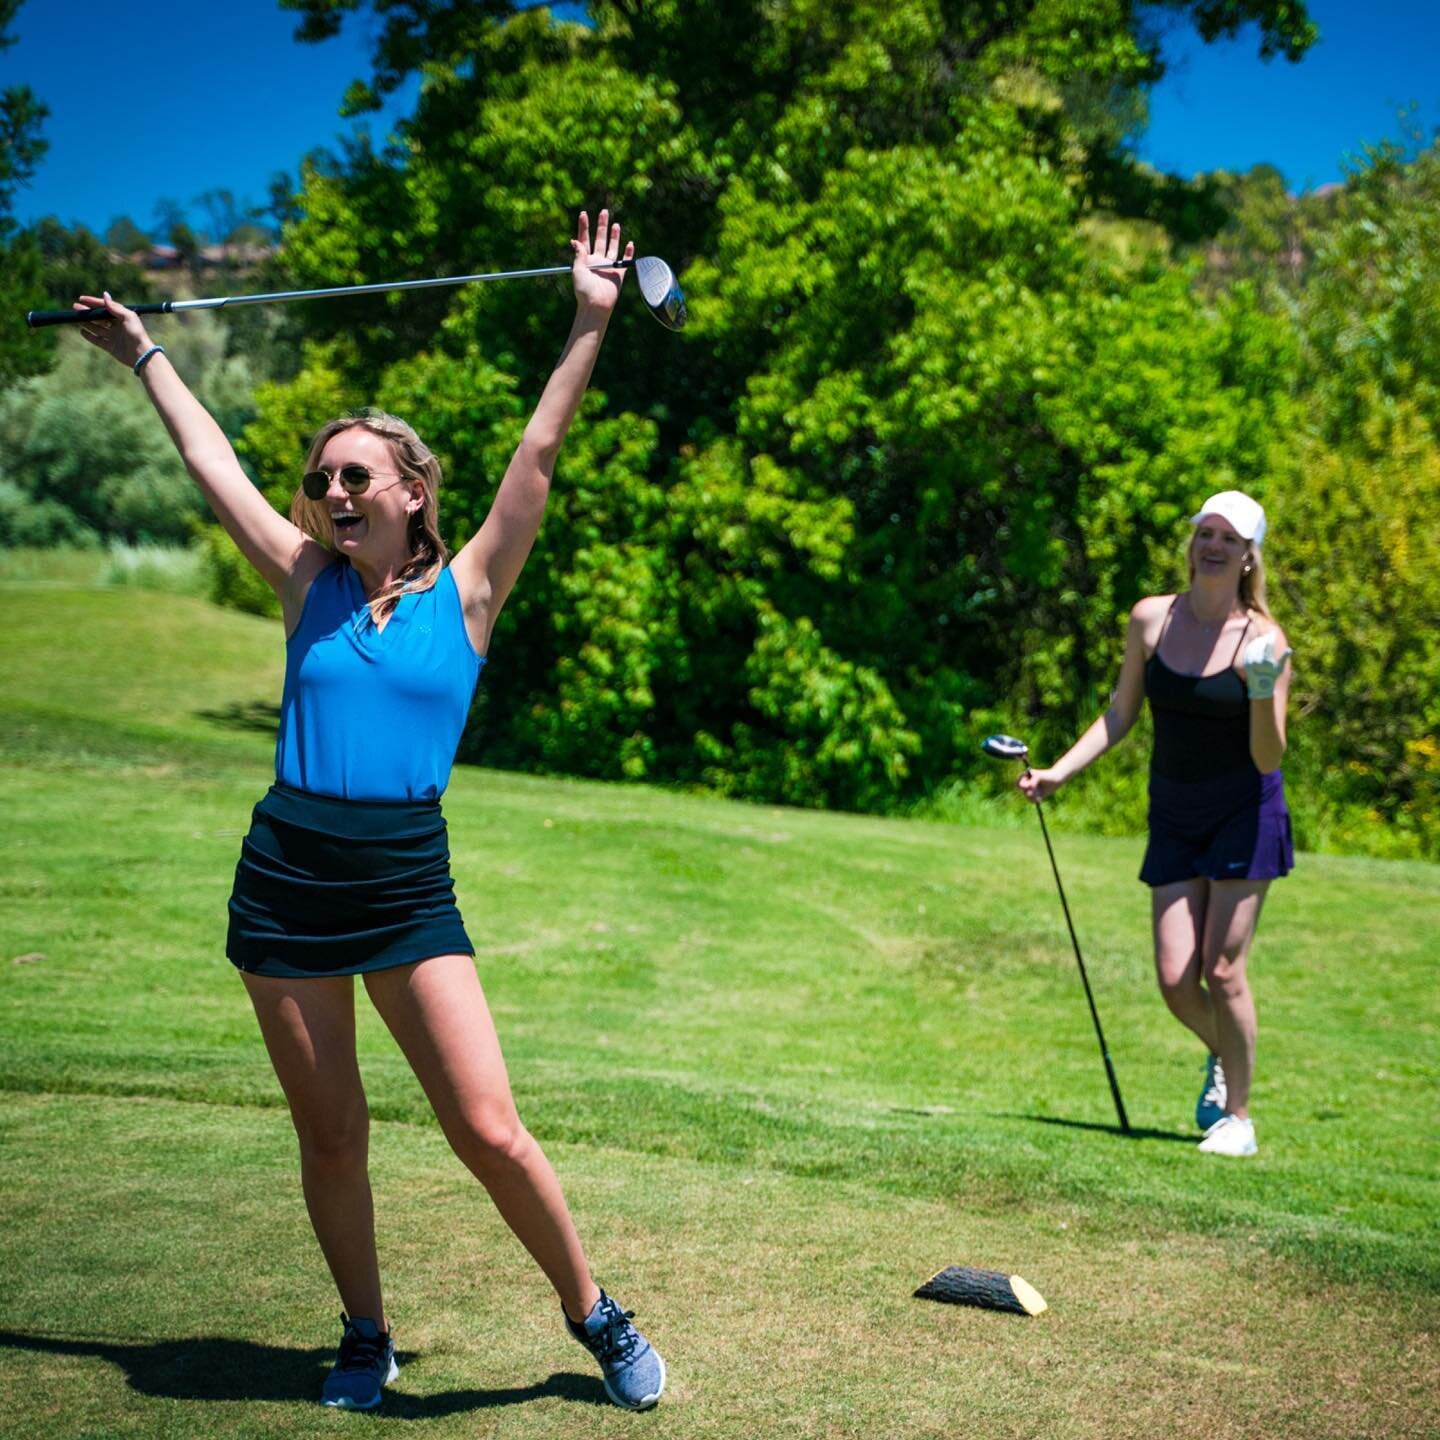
(355, 478)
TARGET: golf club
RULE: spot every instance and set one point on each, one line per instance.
(658, 287)
(1007, 747)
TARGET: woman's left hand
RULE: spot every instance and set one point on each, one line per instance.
(1263, 667)
(597, 289)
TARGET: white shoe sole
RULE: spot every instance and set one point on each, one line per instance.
(642, 1404)
(645, 1402)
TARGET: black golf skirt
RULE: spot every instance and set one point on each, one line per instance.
(1234, 827)
(327, 886)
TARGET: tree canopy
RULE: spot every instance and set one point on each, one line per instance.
(934, 420)
(21, 148)
(958, 368)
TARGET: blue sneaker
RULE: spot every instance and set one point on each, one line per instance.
(366, 1363)
(1210, 1107)
(634, 1372)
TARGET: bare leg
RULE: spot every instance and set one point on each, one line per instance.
(1178, 912)
(437, 1013)
(1230, 921)
(309, 1030)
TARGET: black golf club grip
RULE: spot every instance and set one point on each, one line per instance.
(35, 319)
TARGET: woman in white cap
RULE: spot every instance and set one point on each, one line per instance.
(1212, 663)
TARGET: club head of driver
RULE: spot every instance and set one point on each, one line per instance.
(661, 291)
(1005, 747)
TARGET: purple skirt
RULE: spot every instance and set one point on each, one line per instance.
(1232, 827)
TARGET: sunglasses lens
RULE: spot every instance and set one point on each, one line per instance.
(355, 479)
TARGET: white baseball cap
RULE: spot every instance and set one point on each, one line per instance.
(1245, 514)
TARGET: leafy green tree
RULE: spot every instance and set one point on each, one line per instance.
(79, 438)
(21, 116)
(1285, 28)
(1355, 549)
(125, 237)
(943, 404)
(1371, 298)
(21, 149)
(21, 278)
(1357, 556)
(75, 261)
(84, 439)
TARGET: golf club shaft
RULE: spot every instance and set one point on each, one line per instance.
(37, 318)
(1084, 978)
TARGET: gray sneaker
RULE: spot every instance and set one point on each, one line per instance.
(1210, 1107)
(634, 1372)
(366, 1364)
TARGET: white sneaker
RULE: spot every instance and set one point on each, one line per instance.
(1210, 1107)
(1230, 1135)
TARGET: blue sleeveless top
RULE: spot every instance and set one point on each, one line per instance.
(372, 714)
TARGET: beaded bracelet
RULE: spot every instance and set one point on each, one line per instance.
(153, 350)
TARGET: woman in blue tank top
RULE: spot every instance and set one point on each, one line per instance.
(1219, 827)
(346, 867)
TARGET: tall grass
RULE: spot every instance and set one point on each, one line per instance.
(168, 569)
(34, 566)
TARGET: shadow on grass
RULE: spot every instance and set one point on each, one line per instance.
(212, 1368)
(1134, 1133)
(255, 715)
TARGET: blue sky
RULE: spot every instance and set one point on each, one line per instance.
(1221, 107)
(198, 98)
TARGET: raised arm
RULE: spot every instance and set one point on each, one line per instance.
(277, 549)
(1115, 724)
(486, 569)
(1267, 682)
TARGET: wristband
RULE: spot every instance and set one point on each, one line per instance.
(140, 363)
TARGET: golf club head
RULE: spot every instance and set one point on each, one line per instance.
(1005, 747)
(661, 291)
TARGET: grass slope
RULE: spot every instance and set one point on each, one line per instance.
(788, 1064)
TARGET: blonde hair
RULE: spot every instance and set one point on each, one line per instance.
(415, 462)
(1252, 576)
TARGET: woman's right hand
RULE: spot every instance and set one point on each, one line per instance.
(1038, 785)
(121, 334)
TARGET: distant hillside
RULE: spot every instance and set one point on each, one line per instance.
(164, 661)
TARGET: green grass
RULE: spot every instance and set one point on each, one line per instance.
(787, 1064)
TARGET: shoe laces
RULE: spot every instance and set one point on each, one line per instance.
(359, 1351)
(617, 1341)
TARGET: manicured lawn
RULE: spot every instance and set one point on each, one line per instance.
(787, 1064)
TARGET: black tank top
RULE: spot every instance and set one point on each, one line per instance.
(1202, 722)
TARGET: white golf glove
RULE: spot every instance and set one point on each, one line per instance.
(1263, 667)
